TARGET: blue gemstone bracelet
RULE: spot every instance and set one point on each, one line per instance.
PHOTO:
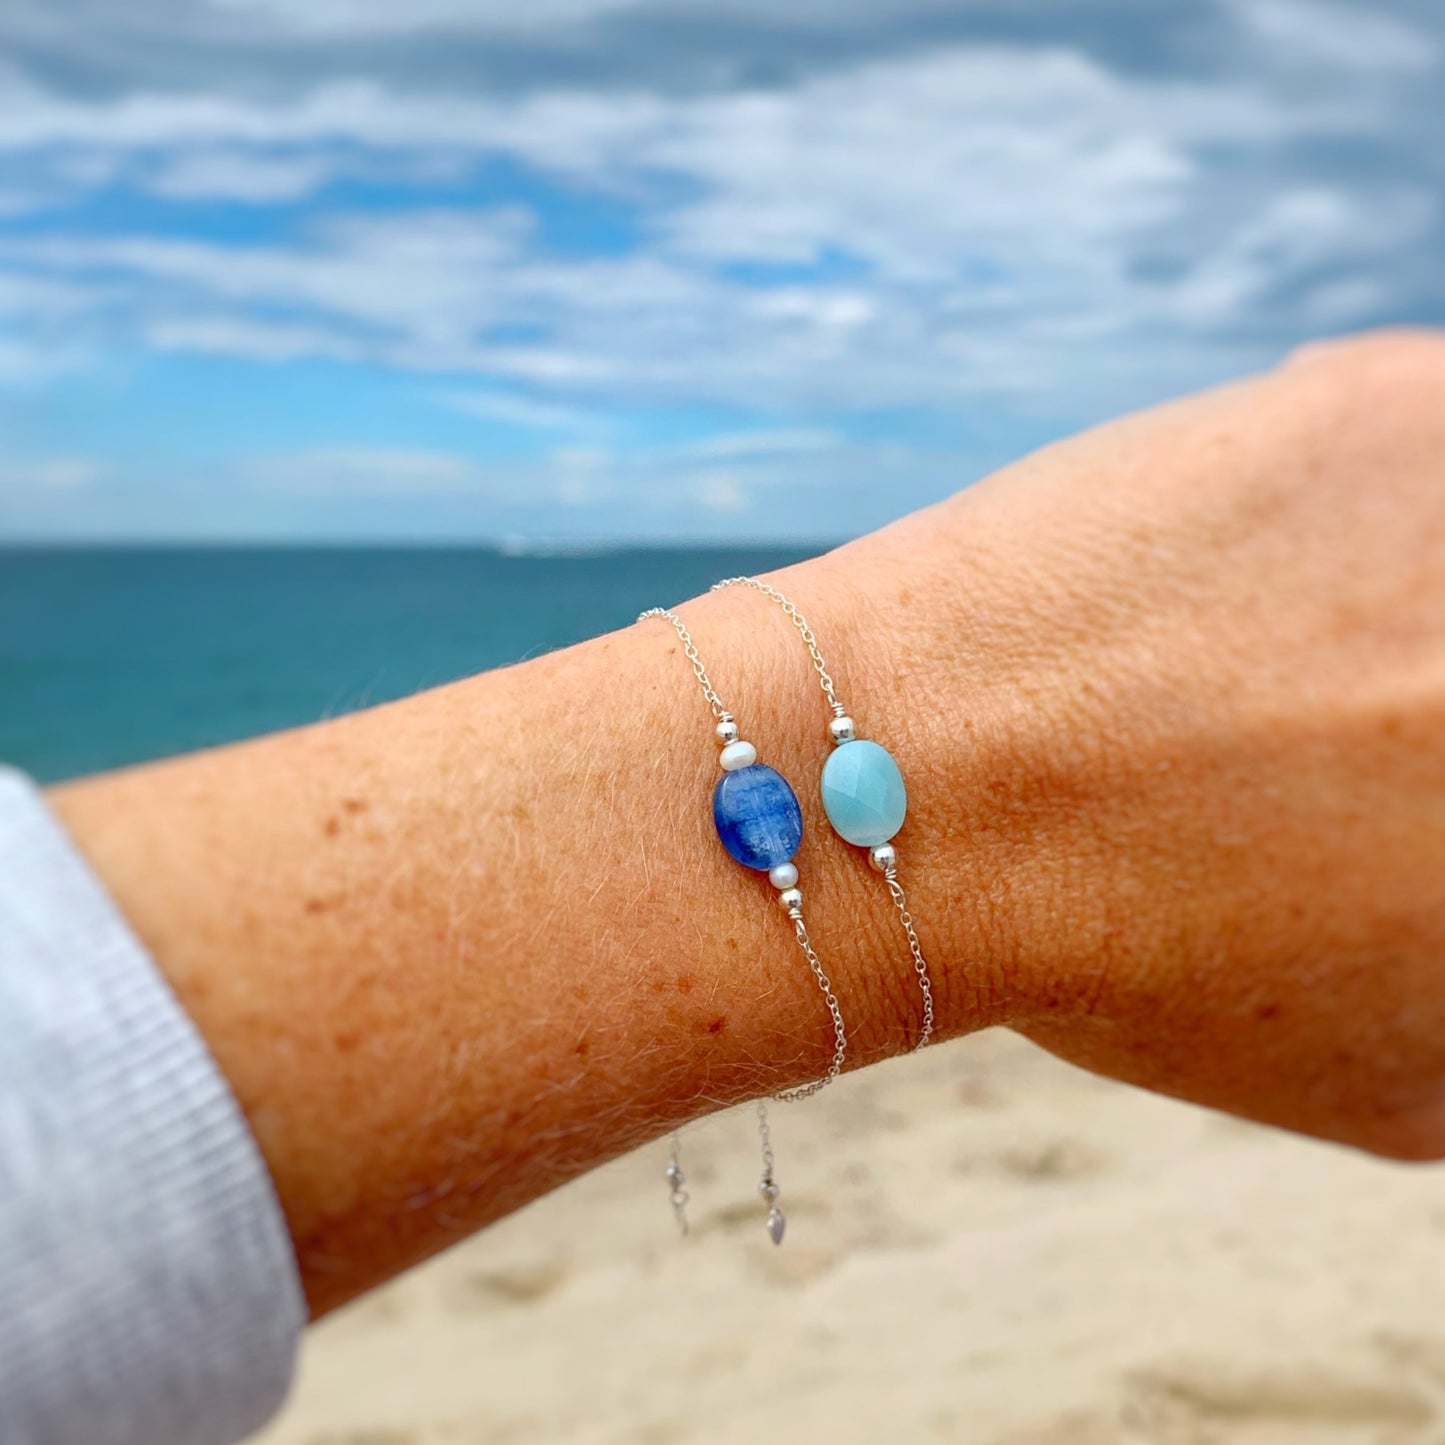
(863, 791)
(760, 823)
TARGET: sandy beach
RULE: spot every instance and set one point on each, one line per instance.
(984, 1246)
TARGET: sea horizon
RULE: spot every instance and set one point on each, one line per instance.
(120, 652)
(521, 545)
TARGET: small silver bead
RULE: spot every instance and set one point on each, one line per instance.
(791, 898)
(675, 1175)
(769, 1190)
(727, 732)
(843, 729)
(883, 857)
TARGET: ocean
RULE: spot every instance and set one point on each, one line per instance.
(111, 656)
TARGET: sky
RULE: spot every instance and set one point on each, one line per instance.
(623, 270)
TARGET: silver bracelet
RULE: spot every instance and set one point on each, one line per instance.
(863, 791)
(760, 823)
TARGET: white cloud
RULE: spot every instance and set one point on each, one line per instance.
(360, 472)
(726, 479)
(773, 442)
(830, 218)
(957, 222)
(518, 410)
(720, 492)
(1295, 232)
(47, 475)
(203, 174)
(65, 474)
(29, 363)
(1347, 37)
(352, 17)
(255, 340)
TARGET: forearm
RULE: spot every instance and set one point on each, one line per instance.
(452, 951)
(1169, 699)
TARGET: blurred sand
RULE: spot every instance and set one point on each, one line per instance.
(984, 1246)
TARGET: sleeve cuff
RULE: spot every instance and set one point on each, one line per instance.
(150, 1292)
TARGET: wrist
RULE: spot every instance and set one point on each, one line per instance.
(878, 610)
(456, 949)
(949, 648)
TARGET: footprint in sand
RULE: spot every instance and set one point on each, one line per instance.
(484, 1289)
(1050, 1161)
(795, 1265)
(1075, 1428)
(385, 1309)
(1201, 1402)
(366, 1437)
(659, 1432)
(1420, 1359)
(977, 1092)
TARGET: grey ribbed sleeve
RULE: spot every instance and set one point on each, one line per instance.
(148, 1291)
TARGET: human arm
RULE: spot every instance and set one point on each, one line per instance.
(1168, 697)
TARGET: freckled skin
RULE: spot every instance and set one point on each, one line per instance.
(1170, 703)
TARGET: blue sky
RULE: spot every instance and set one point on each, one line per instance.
(708, 269)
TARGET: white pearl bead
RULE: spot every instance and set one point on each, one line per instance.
(785, 875)
(737, 755)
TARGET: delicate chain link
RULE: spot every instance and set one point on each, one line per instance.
(676, 1179)
(840, 1037)
(765, 1137)
(920, 964)
(825, 985)
(689, 648)
(798, 621)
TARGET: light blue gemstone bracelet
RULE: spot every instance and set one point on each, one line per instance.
(760, 823)
(863, 791)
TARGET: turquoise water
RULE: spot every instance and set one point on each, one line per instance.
(114, 656)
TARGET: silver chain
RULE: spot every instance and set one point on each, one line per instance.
(825, 985)
(676, 1180)
(920, 964)
(840, 1037)
(689, 648)
(765, 1137)
(798, 621)
(767, 1185)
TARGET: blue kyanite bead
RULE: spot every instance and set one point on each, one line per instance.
(863, 793)
(757, 816)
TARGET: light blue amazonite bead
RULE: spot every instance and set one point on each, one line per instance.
(863, 793)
